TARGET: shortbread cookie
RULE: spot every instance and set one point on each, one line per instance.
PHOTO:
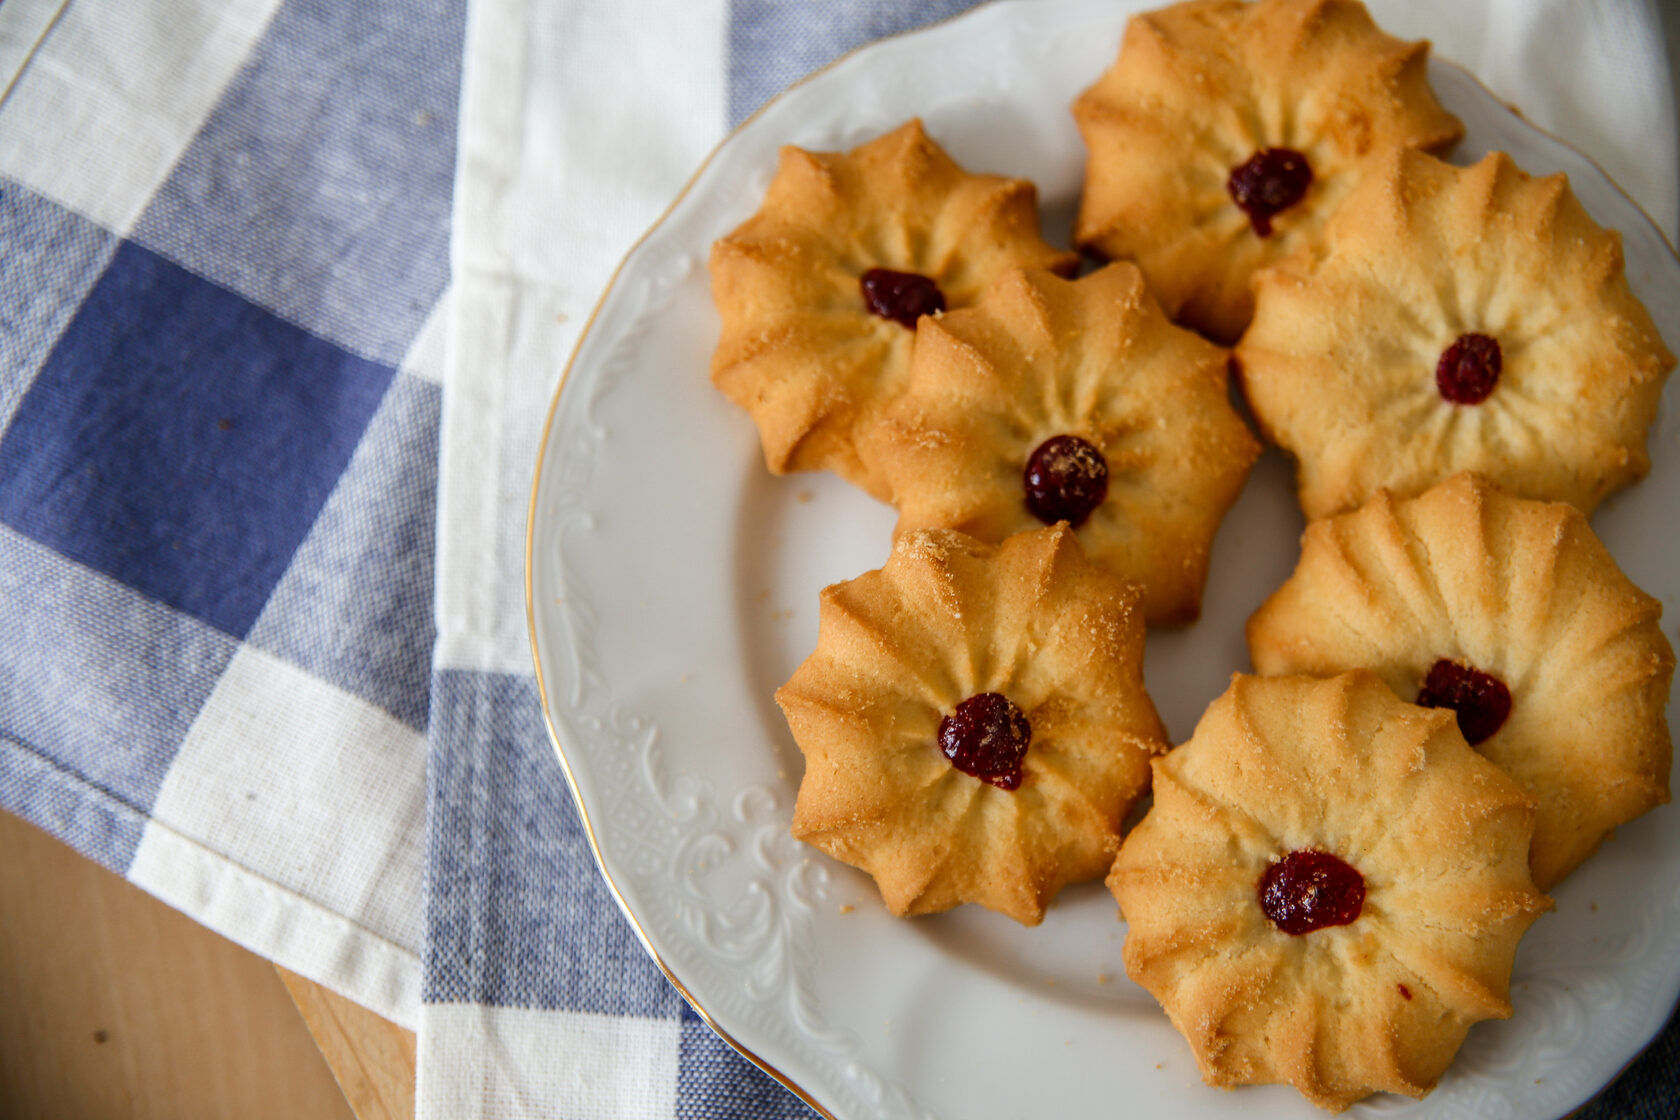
(974, 722)
(1510, 612)
(1074, 400)
(1328, 890)
(820, 291)
(1456, 319)
(1226, 132)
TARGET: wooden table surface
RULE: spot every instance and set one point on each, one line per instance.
(372, 1058)
(114, 1004)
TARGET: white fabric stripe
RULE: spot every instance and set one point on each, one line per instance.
(549, 196)
(502, 1063)
(509, 339)
(474, 600)
(279, 924)
(309, 787)
(114, 95)
(429, 351)
(595, 140)
(23, 25)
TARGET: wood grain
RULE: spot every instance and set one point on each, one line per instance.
(114, 1004)
(372, 1057)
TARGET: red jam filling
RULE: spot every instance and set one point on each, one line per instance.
(1308, 890)
(1270, 182)
(987, 736)
(1469, 369)
(902, 297)
(1065, 479)
(1481, 700)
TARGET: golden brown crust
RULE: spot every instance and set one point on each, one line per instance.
(1197, 89)
(1521, 590)
(1339, 363)
(1286, 764)
(1039, 356)
(798, 349)
(947, 618)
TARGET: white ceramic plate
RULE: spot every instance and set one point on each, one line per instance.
(673, 585)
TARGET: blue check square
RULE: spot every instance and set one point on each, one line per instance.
(774, 43)
(516, 913)
(182, 440)
(320, 186)
(714, 1082)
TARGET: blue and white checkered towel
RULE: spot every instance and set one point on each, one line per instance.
(283, 300)
(224, 236)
